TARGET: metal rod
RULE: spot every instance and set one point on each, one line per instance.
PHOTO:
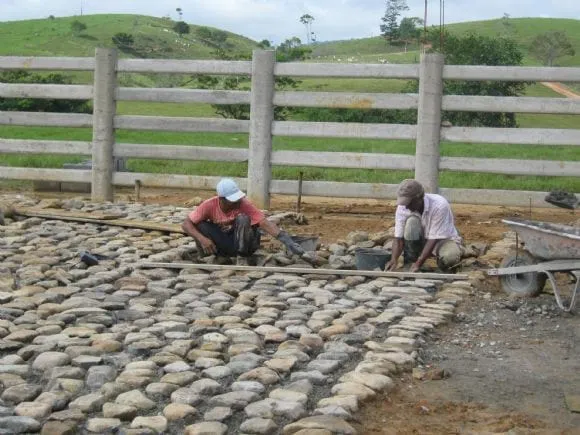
(299, 201)
(306, 271)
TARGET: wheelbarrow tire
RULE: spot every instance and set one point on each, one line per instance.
(528, 284)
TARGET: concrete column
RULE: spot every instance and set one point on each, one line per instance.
(429, 121)
(261, 117)
(104, 108)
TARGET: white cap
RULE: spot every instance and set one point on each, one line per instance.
(228, 189)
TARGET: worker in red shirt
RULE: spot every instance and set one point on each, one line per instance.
(229, 225)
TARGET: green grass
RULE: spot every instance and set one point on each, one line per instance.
(46, 37)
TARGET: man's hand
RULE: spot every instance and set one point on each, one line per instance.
(207, 245)
(391, 265)
(415, 267)
(292, 246)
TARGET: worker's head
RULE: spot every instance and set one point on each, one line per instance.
(229, 194)
(410, 194)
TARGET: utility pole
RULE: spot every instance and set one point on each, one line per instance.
(81, 8)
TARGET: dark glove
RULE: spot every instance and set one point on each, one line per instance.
(292, 246)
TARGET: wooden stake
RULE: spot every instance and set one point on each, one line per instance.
(306, 271)
(299, 202)
(137, 190)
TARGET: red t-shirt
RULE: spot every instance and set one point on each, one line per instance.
(210, 210)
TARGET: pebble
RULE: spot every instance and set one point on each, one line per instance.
(113, 348)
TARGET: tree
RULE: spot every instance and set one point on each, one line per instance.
(307, 20)
(408, 30)
(181, 28)
(390, 28)
(292, 50)
(77, 27)
(264, 43)
(549, 46)
(123, 40)
(180, 13)
(40, 105)
(472, 49)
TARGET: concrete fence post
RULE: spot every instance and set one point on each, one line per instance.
(104, 108)
(261, 117)
(429, 121)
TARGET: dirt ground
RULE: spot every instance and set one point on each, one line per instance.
(510, 362)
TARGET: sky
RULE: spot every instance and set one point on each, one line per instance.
(277, 20)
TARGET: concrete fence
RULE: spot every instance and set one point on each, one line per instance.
(428, 133)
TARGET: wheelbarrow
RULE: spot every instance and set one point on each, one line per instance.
(548, 249)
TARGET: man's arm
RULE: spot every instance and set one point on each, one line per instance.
(272, 229)
(398, 245)
(207, 245)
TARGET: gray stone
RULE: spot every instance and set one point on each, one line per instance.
(179, 378)
(176, 367)
(48, 360)
(235, 399)
(178, 411)
(89, 402)
(254, 386)
(161, 389)
(21, 393)
(57, 400)
(206, 387)
(314, 376)
(219, 413)
(258, 426)
(15, 425)
(324, 366)
(333, 424)
(122, 412)
(97, 376)
(185, 395)
(206, 428)
(36, 410)
(289, 396)
(102, 425)
(157, 423)
(217, 372)
(135, 398)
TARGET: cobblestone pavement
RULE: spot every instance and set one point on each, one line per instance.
(114, 348)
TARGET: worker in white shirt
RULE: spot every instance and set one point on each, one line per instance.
(424, 226)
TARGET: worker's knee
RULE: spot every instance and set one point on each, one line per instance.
(449, 255)
(413, 228)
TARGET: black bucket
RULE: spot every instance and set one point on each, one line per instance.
(371, 259)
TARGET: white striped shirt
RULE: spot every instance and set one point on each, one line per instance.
(437, 219)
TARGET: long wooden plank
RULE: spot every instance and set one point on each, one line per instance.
(184, 95)
(511, 166)
(306, 271)
(102, 219)
(180, 152)
(344, 129)
(47, 63)
(526, 136)
(475, 103)
(167, 123)
(173, 66)
(69, 92)
(301, 69)
(352, 100)
(46, 174)
(24, 146)
(46, 119)
(343, 160)
(511, 73)
(54, 213)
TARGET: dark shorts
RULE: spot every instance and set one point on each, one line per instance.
(243, 239)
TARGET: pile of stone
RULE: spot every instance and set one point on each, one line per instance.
(112, 347)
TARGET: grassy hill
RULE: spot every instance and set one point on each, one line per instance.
(523, 30)
(153, 36)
